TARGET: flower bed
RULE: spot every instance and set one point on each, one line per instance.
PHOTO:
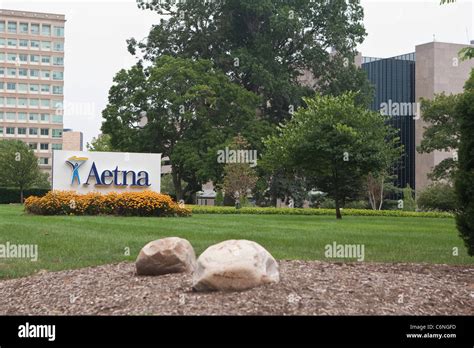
(145, 203)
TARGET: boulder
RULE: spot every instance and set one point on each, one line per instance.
(234, 265)
(167, 255)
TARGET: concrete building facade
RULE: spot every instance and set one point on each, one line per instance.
(32, 80)
(73, 140)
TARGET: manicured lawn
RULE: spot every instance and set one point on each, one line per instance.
(66, 242)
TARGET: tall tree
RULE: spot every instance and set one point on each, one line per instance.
(334, 144)
(192, 109)
(19, 167)
(100, 143)
(464, 179)
(265, 46)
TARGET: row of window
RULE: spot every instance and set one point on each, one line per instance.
(12, 87)
(55, 133)
(32, 44)
(30, 102)
(31, 28)
(31, 117)
(31, 73)
(14, 58)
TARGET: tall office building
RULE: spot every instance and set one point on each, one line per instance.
(400, 82)
(32, 80)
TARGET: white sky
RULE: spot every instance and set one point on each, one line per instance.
(96, 49)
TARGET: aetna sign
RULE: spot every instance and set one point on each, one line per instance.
(106, 171)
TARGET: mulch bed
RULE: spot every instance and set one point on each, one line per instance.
(306, 288)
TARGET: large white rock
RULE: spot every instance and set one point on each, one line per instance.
(167, 255)
(234, 265)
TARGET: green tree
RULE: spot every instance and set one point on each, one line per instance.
(239, 178)
(101, 143)
(19, 167)
(192, 109)
(334, 144)
(438, 196)
(441, 133)
(464, 179)
(265, 46)
(409, 203)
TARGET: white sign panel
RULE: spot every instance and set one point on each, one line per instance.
(106, 171)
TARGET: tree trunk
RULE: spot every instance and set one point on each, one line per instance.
(177, 185)
(338, 210)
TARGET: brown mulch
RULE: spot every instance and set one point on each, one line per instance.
(306, 288)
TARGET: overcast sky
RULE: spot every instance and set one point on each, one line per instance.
(96, 49)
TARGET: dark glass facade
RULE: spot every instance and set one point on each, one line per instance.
(394, 82)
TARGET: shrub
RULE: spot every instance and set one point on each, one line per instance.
(12, 195)
(199, 209)
(438, 197)
(146, 203)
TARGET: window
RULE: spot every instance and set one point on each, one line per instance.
(57, 90)
(2, 42)
(1, 130)
(35, 29)
(44, 117)
(2, 71)
(10, 130)
(22, 102)
(57, 118)
(12, 27)
(57, 146)
(24, 28)
(34, 72)
(23, 58)
(44, 146)
(45, 88)
(34, 58)
(33, 131)
(22, 116)
(2, 57)
(44, 131)
(57, 133)
(33, 146)
(34, 102)
(2, 101)
(21, 131)
(2, 26)
(45, 74)
(46, 30)
(11, 101)
(10, 116)
(34, 88)
(33, 117)
(58, 61)
(34, 44)
(46, 60)
(43, 160)
(1, 116)
(45, 103)
(2, 85)
(58, 31)
(59, 46)
(12, 42)
(11, 72)
(58, 75)
(23, 43)
(11, 57)
(46, 45)
(11, 86)
(23, 72)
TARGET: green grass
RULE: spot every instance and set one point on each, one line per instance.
(67, 242)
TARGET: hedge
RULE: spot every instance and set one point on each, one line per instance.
(145, 203)
(12, 195)
(312, 211)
